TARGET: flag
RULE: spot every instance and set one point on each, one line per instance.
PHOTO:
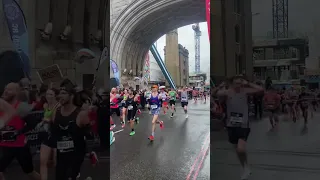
(17, 28)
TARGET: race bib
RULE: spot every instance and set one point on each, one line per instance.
(111, 103)
(236, 118)
(64, 145)
(163, 99)
(183, 98)
(8, 136)
(154, 106)
(130, 107)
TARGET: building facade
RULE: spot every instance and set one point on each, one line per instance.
(232, 41)
(184, 65)
(46, 52)
(176, 59)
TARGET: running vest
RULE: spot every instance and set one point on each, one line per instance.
(154, 102)
(69, 136)
(184, 96)
(114, 103)
(15, 124)
(131, 104)
(172, 95)
(163, 96)
(237, 110)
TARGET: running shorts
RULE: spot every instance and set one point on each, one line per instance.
(69, 164)
(23, 156)
(273, 111)
(131, 114)
(236, 133)
(115, 110)
(164, 103)
(172, 102)
(184, 104)
(155, 111)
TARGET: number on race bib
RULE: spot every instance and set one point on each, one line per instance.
(236, 118)
(63, 145)
(154, 106)
(130, 107)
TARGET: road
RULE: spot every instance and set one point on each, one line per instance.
(286, 154)
(97, 173)
(173, 154)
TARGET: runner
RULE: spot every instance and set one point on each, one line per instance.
(131, 106)
(123, 109)
(69, 128)
(163, 95)
(172, 100)
(184, 100)
(304, 100)
(147, 95)
(195, 95)
(13, 140)
(272, 105)
(155, 110)
(114, 106)
(292, 103)
(237, 116)
(46, 150)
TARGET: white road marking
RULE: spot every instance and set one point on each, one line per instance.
(118, 131)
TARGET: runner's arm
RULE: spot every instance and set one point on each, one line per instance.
(8, 110)
(253, 88)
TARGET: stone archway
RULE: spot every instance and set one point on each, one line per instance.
(142, 22)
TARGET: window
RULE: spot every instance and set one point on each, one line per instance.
(237, 6)
(237, 33)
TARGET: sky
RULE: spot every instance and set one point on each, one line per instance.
(186, 39)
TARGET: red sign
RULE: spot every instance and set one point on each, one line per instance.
(208, 16)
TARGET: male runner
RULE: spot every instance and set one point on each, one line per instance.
(237, 116)
(172, 100)
(184, 100)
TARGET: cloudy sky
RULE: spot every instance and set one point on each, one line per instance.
(186, 39)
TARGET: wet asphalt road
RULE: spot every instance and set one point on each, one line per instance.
(288, 153)
(99, 172)
(173, 153)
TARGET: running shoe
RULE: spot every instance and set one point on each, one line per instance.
(187, 116)
(161, 125)
(132, 133)
(139, 111)
(89, 178)
(151, 138)
(94, 158)
(246, 174)
(112, 127)
(78, 176)
(123, 124)
(137, 120)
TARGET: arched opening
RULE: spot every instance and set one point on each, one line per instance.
(133, 32)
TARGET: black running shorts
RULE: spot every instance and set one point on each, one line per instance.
(236, 133)
(184, 104)
(21, 154)
(172, 102)
(131, 114)
(115, 110)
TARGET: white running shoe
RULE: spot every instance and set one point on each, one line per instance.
(187, 116)
(78, 176)
(246, 174)
(89, 178)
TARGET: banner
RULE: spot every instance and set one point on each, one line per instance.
(115, 70)
(18, 31)
(208, 16)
